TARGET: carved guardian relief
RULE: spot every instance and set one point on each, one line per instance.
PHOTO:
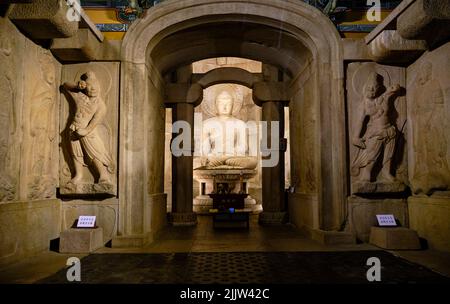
(41, 124)
(377, 127)
(89, 129)
(8, 118)
(429, 111)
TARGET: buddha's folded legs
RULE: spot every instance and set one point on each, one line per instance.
(242, 162)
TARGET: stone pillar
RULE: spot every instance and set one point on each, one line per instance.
(187, 97)
(182, 171)
(274, 210)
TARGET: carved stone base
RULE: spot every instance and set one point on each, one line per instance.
(81, 240)
(233, 178)
(41, 187)
(88, 189)
(398, 238)
(273, 218)
(7, 189)
(183, 219)
(203, 203)
(378, 187)
(429, 216)
(362, 214)
(27, 227)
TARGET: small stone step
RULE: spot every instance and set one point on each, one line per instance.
(76, 240)
(394, 238)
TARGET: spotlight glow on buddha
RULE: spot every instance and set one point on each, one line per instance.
(225, 138)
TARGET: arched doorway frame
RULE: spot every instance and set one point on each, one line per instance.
(142, 99)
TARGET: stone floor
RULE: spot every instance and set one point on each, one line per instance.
(201, 247)
(203, 238)
(245, 268)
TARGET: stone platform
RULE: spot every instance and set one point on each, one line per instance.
(234, 178)
(395, 238)
(378, 187)
(71, 189)
(76, 240)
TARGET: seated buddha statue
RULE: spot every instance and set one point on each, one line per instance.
(225, 139)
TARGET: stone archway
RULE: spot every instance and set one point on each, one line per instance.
(228, 75)
(271, 97)
(311, 51)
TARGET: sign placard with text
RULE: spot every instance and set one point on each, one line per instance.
(86, 221)
(386, 220)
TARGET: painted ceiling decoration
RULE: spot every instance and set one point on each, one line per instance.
(127, 11)
(130, 10)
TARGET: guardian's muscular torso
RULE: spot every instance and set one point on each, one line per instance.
(377, 109)
(85, 109)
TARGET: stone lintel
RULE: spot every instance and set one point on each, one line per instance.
(271, 91)
(426, 19)
(229, 75)
(44, 19)
(193, 93)
(83, 46)
(183, 93)
(184, 74)
(390, 47)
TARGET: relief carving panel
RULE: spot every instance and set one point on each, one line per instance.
(89, 129)
(377, 128)
(429, 100)
(40, 124)
(9, 135)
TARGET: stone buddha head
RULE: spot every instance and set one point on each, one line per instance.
(224, 104)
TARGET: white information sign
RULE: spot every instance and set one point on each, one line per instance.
(86, 221)
(386, 220)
